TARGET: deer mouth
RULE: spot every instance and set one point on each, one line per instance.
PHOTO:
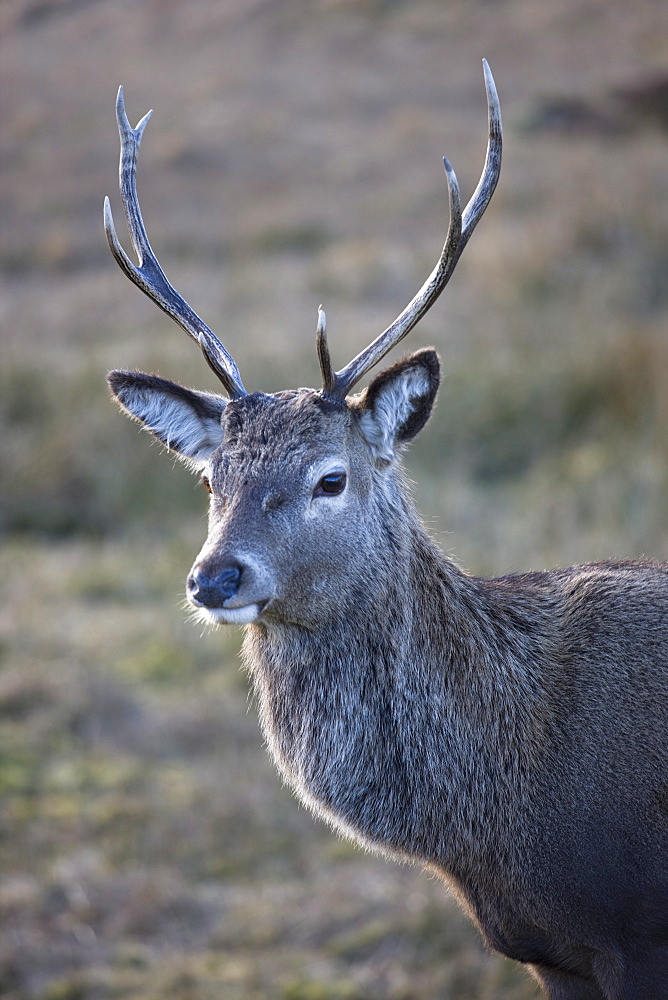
(244, 615)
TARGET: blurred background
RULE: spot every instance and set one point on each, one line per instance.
(147, 849)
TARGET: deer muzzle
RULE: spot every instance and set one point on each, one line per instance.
(235, 593)
(212, 591)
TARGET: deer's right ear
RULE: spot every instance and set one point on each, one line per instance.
(186, 421)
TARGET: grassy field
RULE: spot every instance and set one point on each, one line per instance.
(147, 848)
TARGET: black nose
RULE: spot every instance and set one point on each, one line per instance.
(213, 591)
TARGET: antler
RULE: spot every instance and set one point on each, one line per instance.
(461, 226)
(149, 276)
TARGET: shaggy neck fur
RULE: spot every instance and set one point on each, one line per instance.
(419, 688)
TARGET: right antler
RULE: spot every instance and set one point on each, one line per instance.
(149, 276)
(338, 385)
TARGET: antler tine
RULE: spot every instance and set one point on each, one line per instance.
(459, 232)
(328, 377)
(149, 276)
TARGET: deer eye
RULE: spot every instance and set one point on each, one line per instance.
(331, 484)
(206, 484)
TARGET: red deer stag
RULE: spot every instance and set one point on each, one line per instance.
(508, 734)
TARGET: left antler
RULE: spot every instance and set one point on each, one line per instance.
(338, 385)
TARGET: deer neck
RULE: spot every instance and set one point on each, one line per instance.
(431, 651)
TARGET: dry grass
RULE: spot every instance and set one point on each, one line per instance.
(146, 847)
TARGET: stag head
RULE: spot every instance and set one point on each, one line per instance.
(304, 483)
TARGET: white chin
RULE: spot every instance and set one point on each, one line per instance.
(231, 616)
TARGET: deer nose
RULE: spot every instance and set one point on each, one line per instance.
(213, 591)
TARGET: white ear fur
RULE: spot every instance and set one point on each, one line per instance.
(186, 421)
(393, 406)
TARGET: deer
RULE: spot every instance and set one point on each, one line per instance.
(509, 734)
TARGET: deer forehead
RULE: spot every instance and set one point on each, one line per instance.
(271, 434)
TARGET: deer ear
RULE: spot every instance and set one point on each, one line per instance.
(398, 402)
(187, 422)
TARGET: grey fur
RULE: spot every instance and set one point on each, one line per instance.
(508, 734)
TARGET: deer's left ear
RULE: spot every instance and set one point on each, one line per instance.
(398, 402)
